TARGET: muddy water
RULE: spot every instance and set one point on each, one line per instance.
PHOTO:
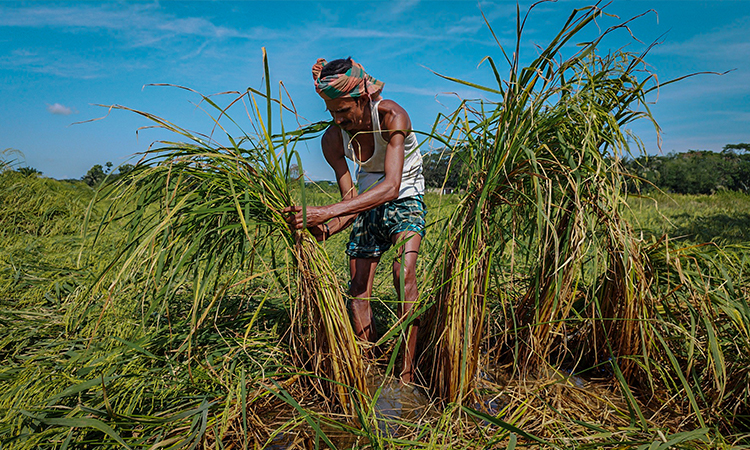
(395, 411)
(401, 411)
(396, 402)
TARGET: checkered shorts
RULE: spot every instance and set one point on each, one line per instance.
(372, 230)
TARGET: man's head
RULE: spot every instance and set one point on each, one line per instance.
(335, 67)
(346, 89)
(343, 78)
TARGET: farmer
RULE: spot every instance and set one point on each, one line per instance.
(386, 207)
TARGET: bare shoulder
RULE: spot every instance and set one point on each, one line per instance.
(331, 142)
(393, 116)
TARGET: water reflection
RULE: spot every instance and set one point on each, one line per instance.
(396, 403)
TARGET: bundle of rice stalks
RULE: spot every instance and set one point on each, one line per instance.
(546, 190)
(701, 332)
(204, 219)
(321, 335)
(455, 320)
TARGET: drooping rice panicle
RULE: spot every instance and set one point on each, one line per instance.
(206, 211)
(545, 177)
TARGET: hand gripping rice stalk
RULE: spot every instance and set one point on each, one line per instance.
(206, 219)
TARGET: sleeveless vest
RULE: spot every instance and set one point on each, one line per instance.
(372, 171)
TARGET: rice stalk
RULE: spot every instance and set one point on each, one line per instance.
(8, 158)
(544, 177)
(701, 323)
(207, 213)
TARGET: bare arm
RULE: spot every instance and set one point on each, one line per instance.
(396, 120)
(333, 151)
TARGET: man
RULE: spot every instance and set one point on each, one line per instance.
(387, 208)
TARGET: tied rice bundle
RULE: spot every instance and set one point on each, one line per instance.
(544, 179)
(208, 215)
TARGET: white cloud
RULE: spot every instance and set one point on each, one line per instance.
(60, 109)
(709, 87)
(466, 25)
(129, 29)
(402, 6)
(58, 63)
(443, 95)
(135, 25)
(359, 32)
(132, 18)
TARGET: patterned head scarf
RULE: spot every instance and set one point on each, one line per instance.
(354, 83)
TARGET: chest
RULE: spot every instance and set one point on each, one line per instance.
(363, 145)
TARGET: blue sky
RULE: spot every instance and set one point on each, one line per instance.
(58, 60)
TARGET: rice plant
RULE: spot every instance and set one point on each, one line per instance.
(6, 160)
(546, 186)
(543, 238)
(204, 215)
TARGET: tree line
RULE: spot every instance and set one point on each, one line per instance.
(93, 177)
(691, 172)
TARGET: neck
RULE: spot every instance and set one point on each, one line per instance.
(366, 123)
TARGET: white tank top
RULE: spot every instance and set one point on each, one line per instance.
(372, 171)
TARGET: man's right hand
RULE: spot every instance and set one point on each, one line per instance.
(319, 233)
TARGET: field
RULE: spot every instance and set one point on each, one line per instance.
(175, 308)
(79, 367)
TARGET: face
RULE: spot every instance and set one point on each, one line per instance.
(348, 113)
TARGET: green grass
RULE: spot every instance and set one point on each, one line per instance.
(130, 371)
(721, 218)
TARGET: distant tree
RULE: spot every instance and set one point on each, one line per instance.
(294, 172)
(440, 170)
(95, 175)
(29, 171)
(125, 169)
(693, 172)
(739, 154)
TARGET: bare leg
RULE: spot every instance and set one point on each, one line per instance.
(408, 256)
(363, 275)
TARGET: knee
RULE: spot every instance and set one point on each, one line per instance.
(358, 288)
(359, 305)
(408, 274)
